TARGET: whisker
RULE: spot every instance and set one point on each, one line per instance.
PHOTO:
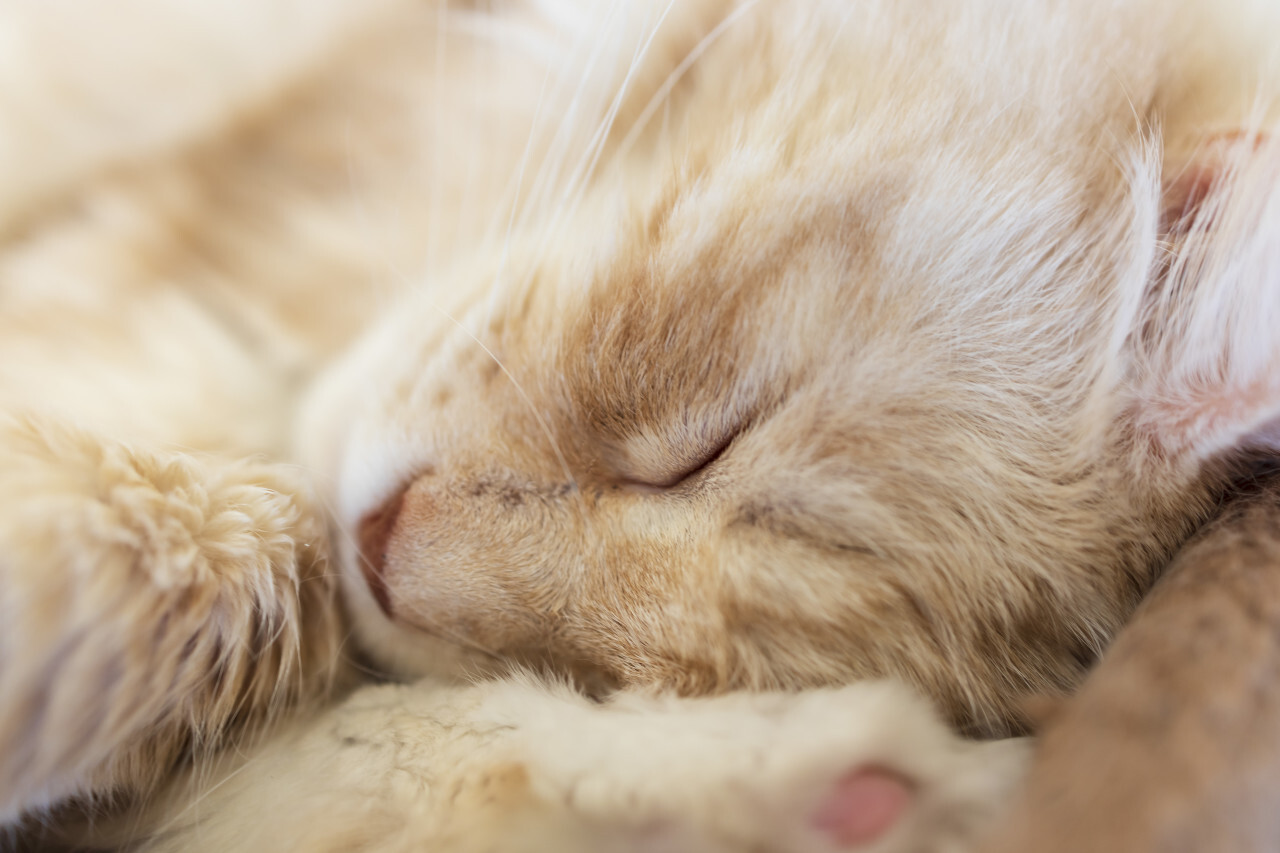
(557, 157)
(663, 94)
(576, 186)
(519, 186)
(205, 791)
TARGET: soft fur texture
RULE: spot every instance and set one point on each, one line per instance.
(1173, 743)
(702, 345)
(514, 766)
(896, 339)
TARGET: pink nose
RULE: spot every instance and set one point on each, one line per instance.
(374, 535)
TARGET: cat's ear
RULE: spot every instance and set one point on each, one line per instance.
(1207, 348)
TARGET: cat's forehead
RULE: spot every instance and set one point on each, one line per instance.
(793, 234)
(737, 265)
(838, 191)
(700, 302)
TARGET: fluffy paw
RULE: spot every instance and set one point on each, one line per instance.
(516, 766)
(864, 806)
(151, 599)
(867, 767)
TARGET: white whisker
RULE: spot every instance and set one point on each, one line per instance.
(575, 187)
(519, 186)
(557, 156)
(578, 181)
(662, 96)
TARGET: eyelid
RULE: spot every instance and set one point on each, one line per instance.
(696, 466)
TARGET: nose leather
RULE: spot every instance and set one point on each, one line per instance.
(374, 535)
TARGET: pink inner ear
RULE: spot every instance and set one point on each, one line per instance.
(1211, 375)
(863, 806)
(1213, 412)
(1192, 185)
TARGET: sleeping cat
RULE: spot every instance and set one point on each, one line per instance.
(190, 227)
(878, 339)
(703, 345)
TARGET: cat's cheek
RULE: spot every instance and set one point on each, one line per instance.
(394, 648)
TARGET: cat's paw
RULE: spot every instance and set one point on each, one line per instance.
(867, 767)
(864, 806)
(523, 768)
(150, 598)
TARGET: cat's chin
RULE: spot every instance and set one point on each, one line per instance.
(404, 653)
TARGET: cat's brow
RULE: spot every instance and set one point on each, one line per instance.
(524, 396)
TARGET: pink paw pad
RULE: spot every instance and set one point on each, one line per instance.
(863, 806)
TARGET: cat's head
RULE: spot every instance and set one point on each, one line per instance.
(868, 368)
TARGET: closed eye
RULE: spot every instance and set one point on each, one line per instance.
(691, 468)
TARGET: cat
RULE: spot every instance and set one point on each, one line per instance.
(700, 345)
(188, 229)
(868, 339)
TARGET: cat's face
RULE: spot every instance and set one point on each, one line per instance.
(827, 390)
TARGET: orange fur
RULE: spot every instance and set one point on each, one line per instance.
(704, 344)
(838, 375)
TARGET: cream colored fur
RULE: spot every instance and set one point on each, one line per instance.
(513, 766)
(703, 345)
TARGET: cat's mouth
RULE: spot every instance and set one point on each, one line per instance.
(467, 565)
(373, 535)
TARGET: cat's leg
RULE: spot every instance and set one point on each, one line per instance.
(1174, 742)
(867, 767)
(150, 601)
(87, 86)
(517, 766)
